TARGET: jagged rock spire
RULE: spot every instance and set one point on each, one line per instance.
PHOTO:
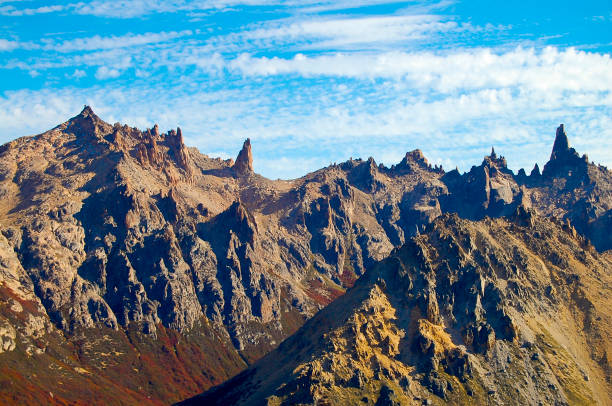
(561, 145)
(493, 154)
(564, 160)
(244, 160)
(535, 171)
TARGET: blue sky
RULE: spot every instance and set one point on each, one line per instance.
(313, 81)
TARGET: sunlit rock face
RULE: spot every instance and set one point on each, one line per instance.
(508, 311)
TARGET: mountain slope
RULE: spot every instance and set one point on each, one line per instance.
(160, 271)
(491, 312)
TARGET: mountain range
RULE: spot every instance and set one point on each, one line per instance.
(136, 270)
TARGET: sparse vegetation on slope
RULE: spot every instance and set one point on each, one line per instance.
(498, 311)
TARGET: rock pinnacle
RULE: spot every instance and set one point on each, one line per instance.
(244, 160)
(561, 145)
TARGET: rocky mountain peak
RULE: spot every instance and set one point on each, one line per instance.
(564, 160)
(85, 123)
(87, 112)
(244, 160)
(561, 145)
(412, 161)
(495, 161)
(415, 156)
(127, 230)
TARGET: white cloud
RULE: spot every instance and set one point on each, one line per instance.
(547, 70)
(7, 45)
(285, 124)
(347, 32)
(130, 8)
(98, 42)
(78, 74)
(136, 8)
(139, 8)
(13, 11)
(343, 33)
(104, 72)
(338, 5)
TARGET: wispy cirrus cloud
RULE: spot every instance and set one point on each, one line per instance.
(134, 8)
(13, 11)
(346, 33)
(98, 42)
(380, 116)
(123, 9)
(322, 6)
(163, 48)
(549, 69)
(93, 43)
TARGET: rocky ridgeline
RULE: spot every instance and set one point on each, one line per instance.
(131, 235)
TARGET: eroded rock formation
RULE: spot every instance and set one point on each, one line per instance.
(244, 160)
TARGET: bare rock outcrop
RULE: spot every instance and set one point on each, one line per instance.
(565, 161)
(462, 314)
(244, 160)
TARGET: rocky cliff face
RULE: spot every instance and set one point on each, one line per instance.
(508, 311)
(130, 235)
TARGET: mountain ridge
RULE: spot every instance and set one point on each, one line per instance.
(400, 335)
(127, 233)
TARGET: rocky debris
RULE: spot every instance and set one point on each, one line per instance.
(244, 160)
(7, 337)
(23, 319)
(358, 380)
(438, 386)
